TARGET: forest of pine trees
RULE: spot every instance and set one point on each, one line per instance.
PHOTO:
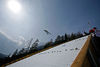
(32, 46)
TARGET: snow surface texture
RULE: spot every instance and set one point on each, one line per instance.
(59, 56)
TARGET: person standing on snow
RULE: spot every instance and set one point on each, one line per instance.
(96, 43)
(95, 32)
(92, 30)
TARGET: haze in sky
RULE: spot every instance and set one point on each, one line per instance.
(24, 19)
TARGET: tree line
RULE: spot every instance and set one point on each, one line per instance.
(33, 46)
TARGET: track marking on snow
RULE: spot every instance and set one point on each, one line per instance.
(59, 56)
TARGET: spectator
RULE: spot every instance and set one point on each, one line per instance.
(92, 30)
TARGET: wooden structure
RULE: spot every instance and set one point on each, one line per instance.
(85, 58)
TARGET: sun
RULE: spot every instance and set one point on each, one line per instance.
(14, 6)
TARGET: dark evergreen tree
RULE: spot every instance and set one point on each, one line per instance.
(79, 35)
(15, 53)
(29, 43)
(66, 37)
(62, 38)
(58, 38)
(73, 36)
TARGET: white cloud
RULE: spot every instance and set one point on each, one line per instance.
(21, 40)
(8, 37)
(7, 44)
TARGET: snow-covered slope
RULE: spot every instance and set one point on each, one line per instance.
(60, 56)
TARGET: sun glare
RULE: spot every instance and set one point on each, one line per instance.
(14, 6)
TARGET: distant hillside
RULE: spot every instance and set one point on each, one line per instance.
(7, 46)
(2, 55)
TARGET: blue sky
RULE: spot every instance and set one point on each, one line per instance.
(57, 16)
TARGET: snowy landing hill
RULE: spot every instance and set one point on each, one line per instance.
(59, 56)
